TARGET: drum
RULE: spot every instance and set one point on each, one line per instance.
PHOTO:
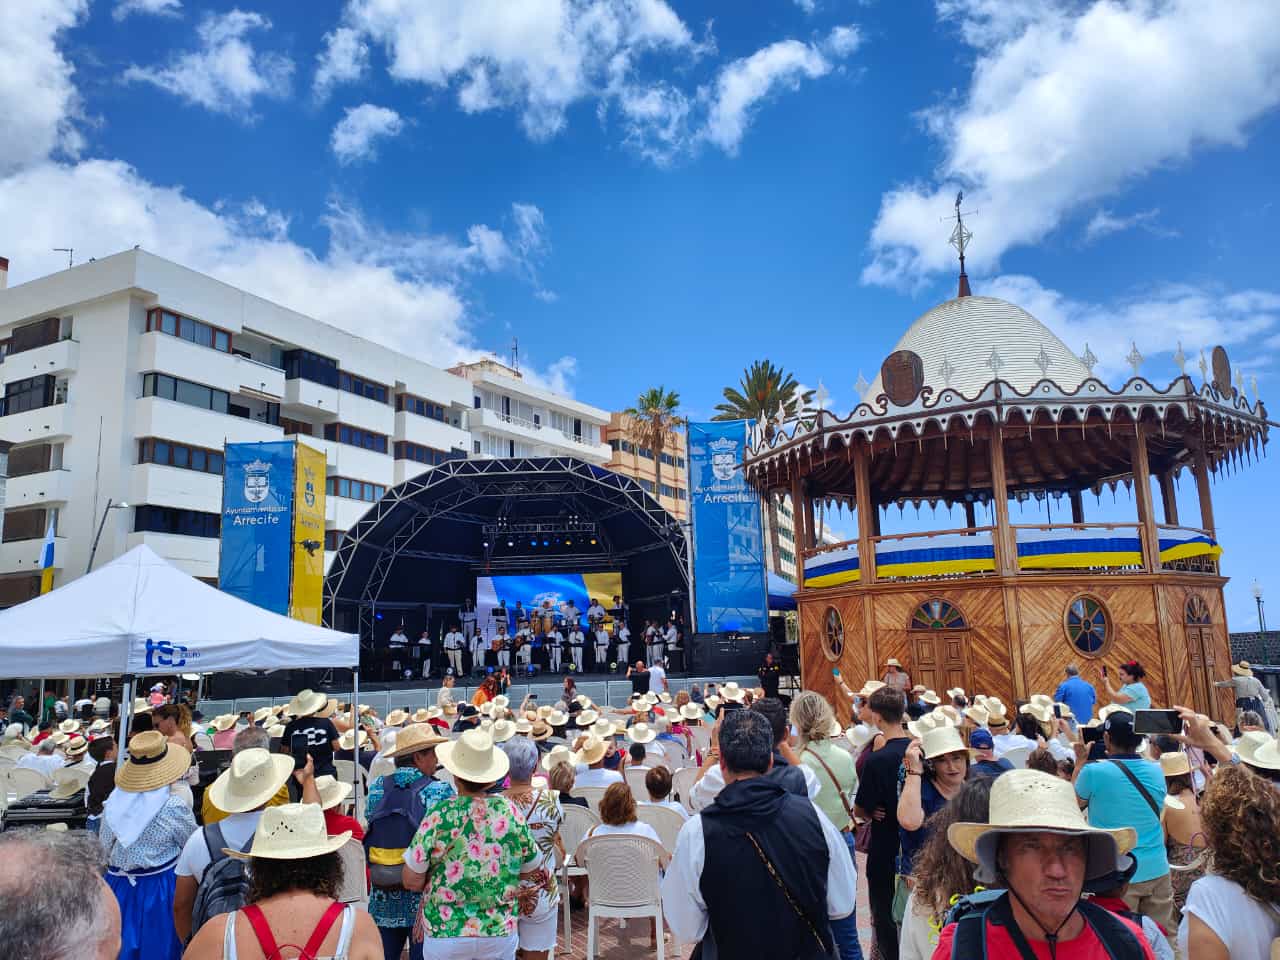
(499, 642)
(546, 621)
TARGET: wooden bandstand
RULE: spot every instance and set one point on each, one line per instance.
(981, 405)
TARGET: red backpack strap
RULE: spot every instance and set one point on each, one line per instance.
(321, 931)
(261, 930)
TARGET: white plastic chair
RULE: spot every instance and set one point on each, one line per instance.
(577, 823)
(355, 888)
(635, 780)
(381, 767)
(1018, 756)
(682, 786)
(592, 795)
(625, 883)
(665, 821)
(344, 771)
(701, 737)
(24, 781)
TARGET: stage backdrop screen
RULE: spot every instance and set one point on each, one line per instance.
(728, 538)
(531, 589)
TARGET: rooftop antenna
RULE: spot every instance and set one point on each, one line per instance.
(960, 238)
(515, 354)
(71, 255)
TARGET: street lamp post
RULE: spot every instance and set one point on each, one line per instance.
(122, 505)
(1262, 618)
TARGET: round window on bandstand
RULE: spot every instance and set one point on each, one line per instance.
(832, 634)
(1088, 625)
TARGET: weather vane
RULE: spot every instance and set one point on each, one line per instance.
(960, 238)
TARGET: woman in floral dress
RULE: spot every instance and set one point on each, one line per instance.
(541, 811)
(471, 857)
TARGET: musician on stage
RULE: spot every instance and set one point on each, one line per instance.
(524, 647)
(650, 635)
(576, 643)
(453, 650)
(571, 614)
(602, 646)
(619, 609)
(595, 614)
(502, 647)
(664, 641)
(518, 615)
(424, 651)
(554, 642)
(624, 642)
(476, 646)
(468, 618)
(398, 650)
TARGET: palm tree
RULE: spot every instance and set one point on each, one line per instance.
(650, 422)
(770, 396)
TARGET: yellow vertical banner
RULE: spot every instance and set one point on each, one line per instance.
(306, 596)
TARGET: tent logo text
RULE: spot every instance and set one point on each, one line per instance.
(162, 653)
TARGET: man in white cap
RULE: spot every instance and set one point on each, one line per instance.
(1037, 846)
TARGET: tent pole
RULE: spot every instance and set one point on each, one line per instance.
(355, 715)
(126, 710)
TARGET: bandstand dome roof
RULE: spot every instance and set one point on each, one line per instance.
(955, 340)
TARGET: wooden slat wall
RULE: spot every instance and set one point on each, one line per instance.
(816, 667)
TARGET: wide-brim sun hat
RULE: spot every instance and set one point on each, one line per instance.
(1029, 801)
(276, 730)
(291, 831)
(153, 762)
(544, 711)
(870, 687)
(307, 702)
(641, 733)
(664, 697)
(711, 703)
(602, 728)
(560, 754)
(59, 738)
(224, 722)
(474, 758)
(919, 688)
(1266, 756)
(415, 738)
(98, 726)
(69, 726)
(582, 700)
(76, 747)
(64, 787)
(328, 710)
(930, 697)
(541, 730)
(141, 705)
(1242, 669)
(1111, 708)
(592, 751)
(951, 713)
(13, 734)
(557, 718)
(333, 791)
(996, 721)
(732, 692)
(955, 692)
(501, 702)
(1174, 764)
(859, 735)
(348, 740)
(941, 741)
(930, 721)
(1064, 711)
(434, 713)
(261, 714)
(420, 716)
(1042, 712)
(503, 730)
(254, 777)
(587, 717)
(396, 717)
(691, 711)
(893, 662)
(524, 727)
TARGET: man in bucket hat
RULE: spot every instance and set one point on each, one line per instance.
(1037, 845)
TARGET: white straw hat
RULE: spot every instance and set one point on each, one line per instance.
(559, 754)
(153, 762)
(1029, 801)
(893, 662)
(276, 730)
(860, 735)
(557, 718)
(332, 791)
(421, 715)
(955, 692)
(940, 741)
(602, 728)
(292, 831)
(69, 726)
(641, 733)
(524, 726)
(1266, 756)
(1041, 711)
(262, 714)
(347, 741)
(930, 721)
(473, 757)
(141, 705)
(586, 718)
(691, 711)
(870, 687)
(1175, 763)
(504, 730)
(977, 714)
(501, 702)
(254, 777)
(224, 722)
(396, 717)
(732, 692)
(592, 751)
(307, 702)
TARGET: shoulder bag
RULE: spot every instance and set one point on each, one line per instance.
(839, 792)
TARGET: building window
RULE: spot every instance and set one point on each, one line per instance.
(182, 523)
(35, 458)
(29, 336)
(166, 453)
(1197, 611)
(184, 391)
(646, 484)
(1088, 625)
(305, 365)
(32, 393)
(28, 524)
(786, 555)
(355, 489)
(332, 538)
(409, 403)
(185, 328)
(416, 452)
(356, 437)
(786, 534)
(361, 387)
(670, 491)
(296, 427)
(938, 614)
(832, 634)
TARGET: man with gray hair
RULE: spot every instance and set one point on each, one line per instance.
(1078, 694)
(46, 759)
(54, 904)
(760, 845)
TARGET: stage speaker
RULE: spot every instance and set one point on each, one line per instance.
(727, 654)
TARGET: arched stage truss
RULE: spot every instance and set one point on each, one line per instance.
(428, 539)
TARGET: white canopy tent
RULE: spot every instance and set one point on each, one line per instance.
(139, 616)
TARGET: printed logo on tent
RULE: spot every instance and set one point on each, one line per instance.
(724, 458)
(257, 484)
(162, 653)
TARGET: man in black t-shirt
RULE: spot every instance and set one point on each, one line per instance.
(877, 801)
(639, 677)
(769, 674)
(320, 733)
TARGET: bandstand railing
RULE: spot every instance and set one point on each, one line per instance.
(1187, 549)
(1103, 548)
(936, 554)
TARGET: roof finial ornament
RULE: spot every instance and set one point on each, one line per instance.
(995, 363)
(946, 370)
(1180, 359)
(960, 238)
(1043, 361)
(1134, 358)
(1089, 360)
(861, 385)
(1240, 382)
(822, 395)
(1204, 368)
(1253, 387)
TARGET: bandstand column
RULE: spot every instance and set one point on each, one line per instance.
(1005, 549)
(1149, 535)
(866, 513)
(1200, 467)
(1168, 498)
(800, 520)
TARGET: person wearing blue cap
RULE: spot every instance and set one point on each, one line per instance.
(982, 750)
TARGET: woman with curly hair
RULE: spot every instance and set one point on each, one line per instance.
(941, 874)
(1233, 913)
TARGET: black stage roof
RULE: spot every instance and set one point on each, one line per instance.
(428, 539)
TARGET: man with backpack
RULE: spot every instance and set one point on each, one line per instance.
(1037, 846)
(397, 805)
(209, 882)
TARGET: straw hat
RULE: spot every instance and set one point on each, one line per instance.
(254, 777)
(1029, 801)
(540, 730)
(485, 709)
(859, 735)
(414, 738)
(592, 751)
(450, 709)
(76, 747)
(691, 711)
(557, 718)
(664, 697)
(732, 692)
(955, 692)
(641, 733)
(292, 831)
(951, 713)
(69, 726)
(332, 791)
(1042, 712)
(940, 741)
(65, 787)
(1064, 711)
(307, 702)
(1175, 764)
(501, 702)
(366, 710)
(224, 721)
(919, 688)
(419, 716)
(649, 700)
(141, 705)
(930, 721)
(586, 718)
(154, 762)
(473, 757)
(262, 714)
(59, 738)
(1266, 756)
(556, 755)
(348, 739)
(434, 713)
(1242, 669)
(503, 730)
(396, 717)
(893, 662)
(1249, 743)
(98, 726)
(13, 734)
(711, 703)
(276, 730)
(328, 710)
(870, 687)
(544, 711)
(582, 700)
(1111, 708)
(997, 720)
(524, 727)
(930, 697)
(602, 728)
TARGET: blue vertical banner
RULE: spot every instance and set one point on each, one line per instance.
(257, 523)
(728, 537)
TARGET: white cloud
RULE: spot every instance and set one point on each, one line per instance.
(155, 8)
(1157, 320)
(37, 116)
(1068, 103)
(345, 58)
(745, 82)
(808, 6)
(353, 137)
(844, 40)
(1104, 223)
(226, 74)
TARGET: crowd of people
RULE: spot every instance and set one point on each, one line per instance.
(1044, 828)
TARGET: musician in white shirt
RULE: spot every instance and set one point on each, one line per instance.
(476, 645)
(595, 612)
(524, 650)
(453, 641)
(571, 613)
(502, 645)
(602, 647)
(576, 642)
(468, 618)
(624, 643)
(650, 635)
(554, 641)
(424, 642)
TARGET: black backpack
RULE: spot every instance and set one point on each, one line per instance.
(390, 830)
(224, 886)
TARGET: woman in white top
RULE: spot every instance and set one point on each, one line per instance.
(618, 815)
(1233, 913)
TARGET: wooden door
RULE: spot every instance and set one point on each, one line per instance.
(940, 660)
(1200, 655)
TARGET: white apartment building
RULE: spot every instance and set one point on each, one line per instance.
(123, 379)
(511, 417)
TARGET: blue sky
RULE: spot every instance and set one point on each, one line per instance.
(655, 192)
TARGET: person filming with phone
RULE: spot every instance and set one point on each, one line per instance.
(1132, 693)
(1126, 790)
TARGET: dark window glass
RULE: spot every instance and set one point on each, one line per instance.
(187, 523)
(305, 365)
(29, 394)
(25, 524)
(29, 336)
(332, 538)
(199, 461)
(181, 456)
(193, 394)
(215, 462)
(24, 461)
(222, 341)
(219, 400)
(161, 453)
